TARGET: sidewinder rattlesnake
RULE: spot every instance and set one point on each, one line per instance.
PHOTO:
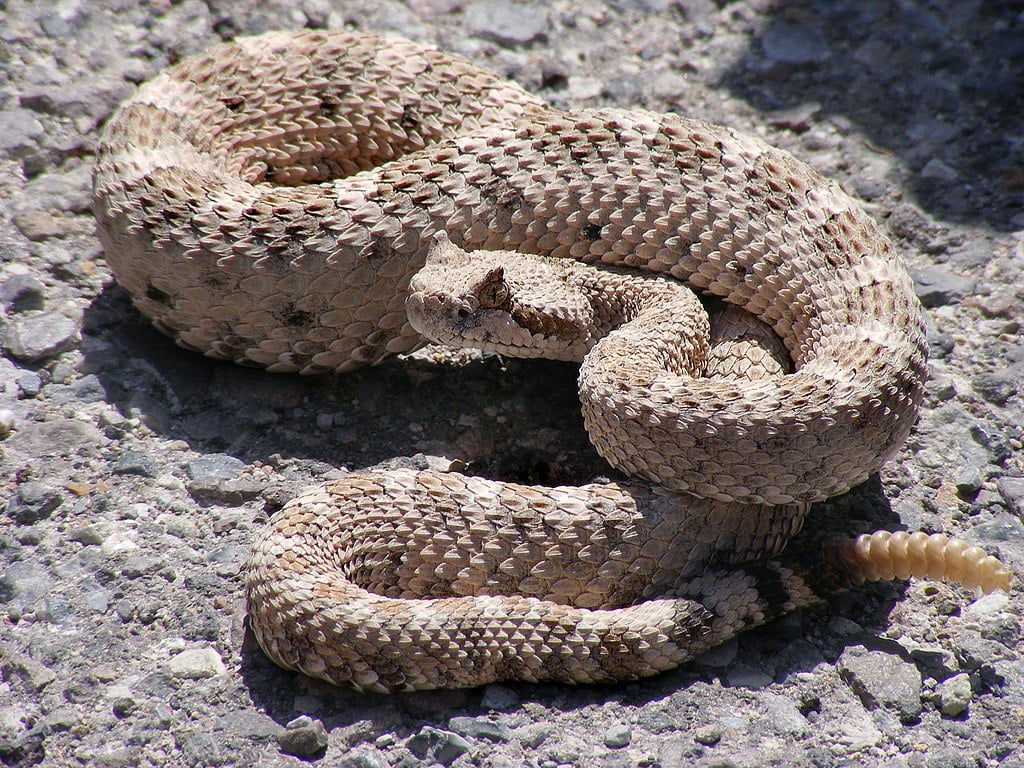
(270, 200)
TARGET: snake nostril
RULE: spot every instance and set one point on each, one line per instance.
(463, 313)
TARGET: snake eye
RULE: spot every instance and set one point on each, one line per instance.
(493, 292)
(494, 296)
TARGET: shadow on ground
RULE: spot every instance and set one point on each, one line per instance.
(939, 84)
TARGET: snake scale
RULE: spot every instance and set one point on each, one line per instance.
(271, 200)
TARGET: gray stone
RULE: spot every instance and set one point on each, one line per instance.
(196, 663)
(199, 748)
(882, 679)
(96, 599)
(994, 619)
(936, 287)
(480, 728)
(937, 170)
(953, 758)
(937, 662)
(440, 746)
(798, 119)
(37, 224)
(214, 466)
(505, 22)
(708, 735)
(794, 44)
(992, 440)
(670, 86)
(35, 336)
(303, 737)
(953, 695)
(719, 656)
(974, 253)
(225, 491)
(251, 724)
(998, 386)
(22, 293)
(498, 698)
(31, 674)
(363, 758)
(55, 25)
(24, 581)
(745, 676)
(967, 480)
(94, 97)
(1012, 491)
(1003, 527)
(20, 132)
(30, 384)
(13, 721)
(624, 90)
(215, 477)
(784, 715)
(135, 463)
(618, 736)
(534, 734)
(8, 421)
(33, 501)
(124, 706)
(54, 608)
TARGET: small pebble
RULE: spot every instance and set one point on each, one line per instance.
(708, 735)
(303, 737)
(196, 663)
(33, 501)
(618, 736)
(22, 293)
(883, 679)
(37, 336)
(505, 22)
(480, 728)
(7, 422)
(954, 695)
(440, 746)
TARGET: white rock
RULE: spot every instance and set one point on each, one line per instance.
(196, 663)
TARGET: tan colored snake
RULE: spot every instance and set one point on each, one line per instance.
(269, 202)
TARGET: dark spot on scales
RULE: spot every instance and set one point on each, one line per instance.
(546, 326)
(410, 121)
(296, 318)
(770, 589)
(504, 197)
(380, 248)
(155, 294)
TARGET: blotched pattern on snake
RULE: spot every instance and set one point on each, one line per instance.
(270, 201)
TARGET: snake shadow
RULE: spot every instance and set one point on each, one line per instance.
(218, 407)
(938, 85)
(497, 416)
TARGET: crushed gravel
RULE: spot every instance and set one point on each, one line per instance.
(134, 475)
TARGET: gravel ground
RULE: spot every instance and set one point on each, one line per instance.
(136, 474)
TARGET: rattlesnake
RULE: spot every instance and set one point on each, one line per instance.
(269, 201)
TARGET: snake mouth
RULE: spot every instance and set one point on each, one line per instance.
(447, 320)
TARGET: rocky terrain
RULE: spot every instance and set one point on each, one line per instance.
(134, 475)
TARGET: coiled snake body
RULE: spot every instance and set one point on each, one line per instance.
(269, 202)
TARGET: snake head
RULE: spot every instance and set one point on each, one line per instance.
(499, 301)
